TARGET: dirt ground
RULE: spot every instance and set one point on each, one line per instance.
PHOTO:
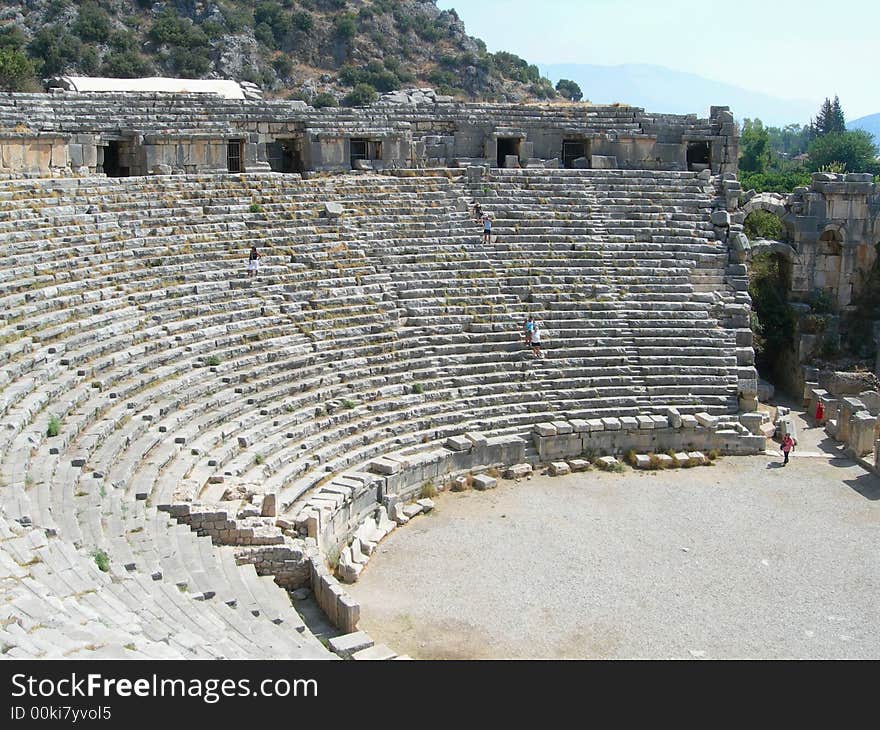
(744, 559)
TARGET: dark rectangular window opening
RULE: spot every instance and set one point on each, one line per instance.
(233, 156)
(573, 150)
(359, 150)
(507, 146)
(699, 156)
(285, 155)
(112, 157)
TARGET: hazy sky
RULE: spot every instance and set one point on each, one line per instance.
(802, 49)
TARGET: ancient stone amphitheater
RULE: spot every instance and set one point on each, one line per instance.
(182, 445)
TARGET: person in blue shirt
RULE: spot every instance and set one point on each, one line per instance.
(487, 228)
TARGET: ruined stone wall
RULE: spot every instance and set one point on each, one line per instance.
(187, 132)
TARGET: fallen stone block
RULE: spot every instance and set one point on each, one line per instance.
(559, 468)
(377, 652)
(643, 461)
(426, 504)
(579, 464)
(384, 466)
(665, 461)
(484, 481)
(518, 471)
(348, 644)
(606, 462)
(333, 210)
(411, 510)
(688, 421)
(681, 458)
(697, 456)
(674, 418)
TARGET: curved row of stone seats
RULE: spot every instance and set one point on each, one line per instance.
(56, 603)
(317, 359)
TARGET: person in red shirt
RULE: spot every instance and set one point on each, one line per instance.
(787, 445)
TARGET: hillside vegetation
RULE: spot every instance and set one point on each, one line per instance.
(317, 50)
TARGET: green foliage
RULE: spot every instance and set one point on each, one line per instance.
(126, 65)
(345, 26)
(303, 21)
(92, 23)
(56, 50)
(324, 99)
(830, 119)
(820, 302)
(283, 65)
(543, 89)
(774, 182)
(102, 560)
(569, 89)
(54, 427)
(11, 36)
(514, 67)
(773, 321)
(428, 490)
(418, 388)
(856, 150)
(754, 147)
(349, 403)
(255, 208)
(17, 71)
(361, 95)
(258, 459)
(763, 224)
(212, 361)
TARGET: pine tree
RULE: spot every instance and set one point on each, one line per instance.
(838, 121)
(824, 119)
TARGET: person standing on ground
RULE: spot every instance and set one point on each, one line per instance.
(478, 212)
(787, 445)
(536, 340)
(253, 262)
(487, 228)
(820, 413)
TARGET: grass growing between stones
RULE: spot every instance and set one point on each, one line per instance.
(102, 560)
(428, 490)
(54, 427)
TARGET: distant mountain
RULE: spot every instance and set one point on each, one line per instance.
(665, 90)
(871, 124)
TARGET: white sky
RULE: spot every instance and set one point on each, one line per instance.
(792, 49)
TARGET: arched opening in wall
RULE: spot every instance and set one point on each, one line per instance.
(699, 156)
(773, 321)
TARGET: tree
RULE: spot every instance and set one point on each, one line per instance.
(838, 121)
(569, 89)
(830, 119)
(755, 146)
(855, 150)
(361, 95)
(824, 118)
(17, 72)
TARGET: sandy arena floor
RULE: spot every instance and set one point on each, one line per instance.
(740, 560)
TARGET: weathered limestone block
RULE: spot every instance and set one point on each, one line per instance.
(752, 421)
(378, 652)
(861, 433)
(681, 458)
(333, 210)
(697, 456)
(559, 468)
(579, 464)
(848, 408)
(518, 471)
(544, 429)
(706, 420)
(646, 423)
(426, 504)
(482, 482)
(665, 461)
(629, 423)
(458, 443)
(348, 644)
(607, 462)
(643, 461)
(347, 568)
(411, 510)
(611, 424)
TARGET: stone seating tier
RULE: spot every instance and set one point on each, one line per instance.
(387, 328)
